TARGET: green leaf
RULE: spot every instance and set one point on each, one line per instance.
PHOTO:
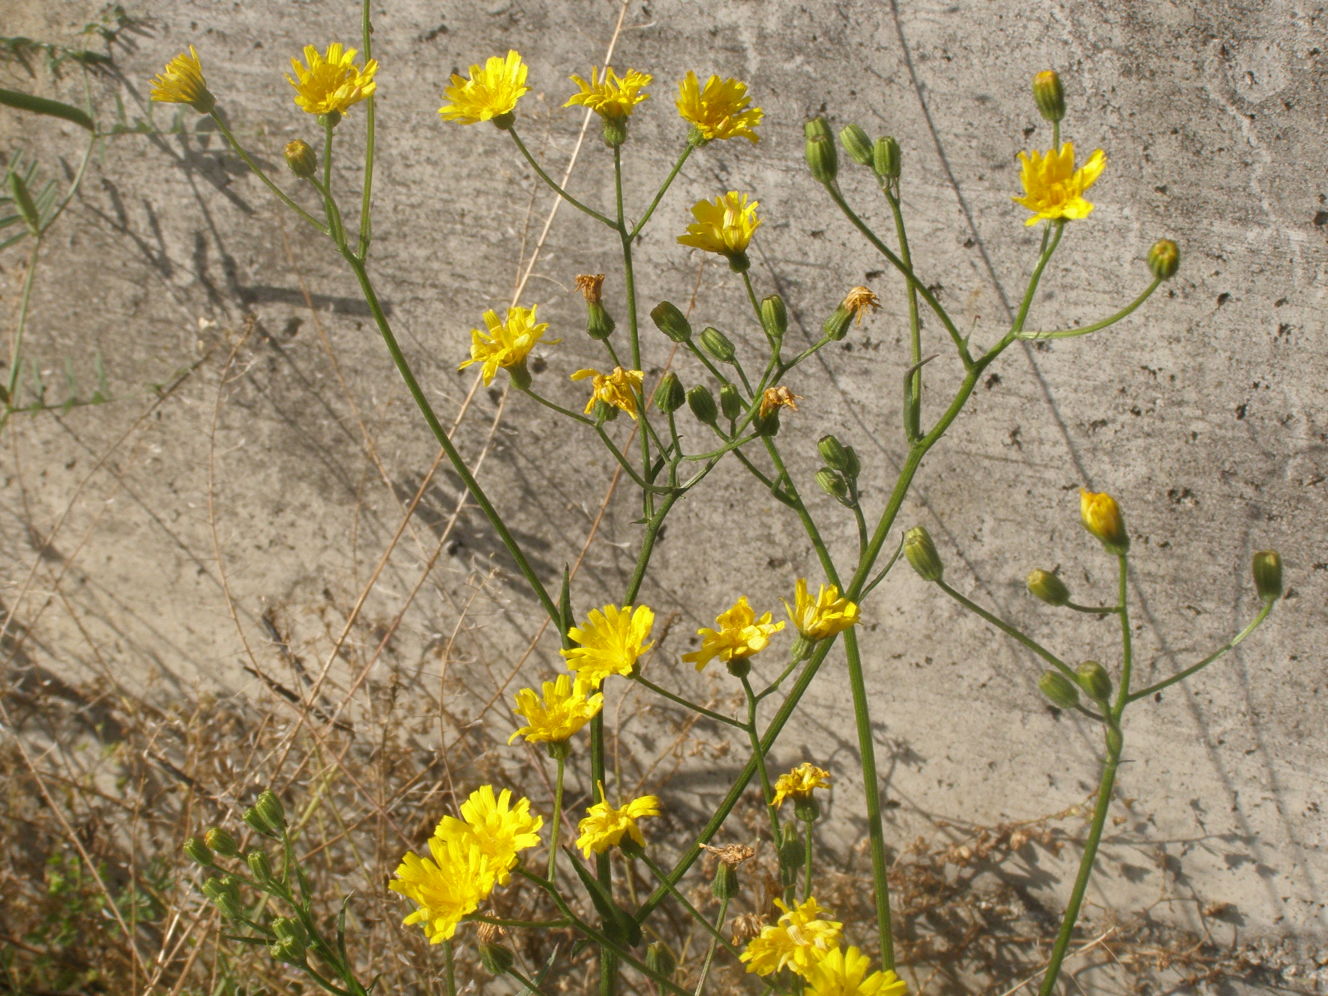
(51, 108)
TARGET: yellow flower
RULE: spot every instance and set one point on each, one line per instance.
(490, 94)
(331, 82)
(181, 82)
(446, 886)
(773, 398)
(740, 634)
(844, 973)
(565, 708)
(797, 941)
(495, 827)
(799, 783)
(610, 642)
(822, 616)
(724, 225)
(1053, 188)
(613, 96)
(1102, 517)
(505, 343)
(618, 389)
(719, 109)
(604, 826)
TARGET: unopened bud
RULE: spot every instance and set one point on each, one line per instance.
(792, 853)
(259, 866)
(819, 148)
(702, 404)
(774, 317)
(730, 401)
(286, 950)
(266, 815)
(198, 851)
(221, 842)
(1049, 95)
(1094, 680)
(672, 322)
(838, 456)
(301, 158)
(921, 554)
(836, 326)
(832, 483)
(856, 144)
(717, 344)
(1059, 689)
(1102, 517)
(886, 158)
(495, 958)
(669, 395)
(1164, 259)
(1048, 587)
(660, 960)
(1268, 574)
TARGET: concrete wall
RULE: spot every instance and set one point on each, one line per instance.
(271, 477)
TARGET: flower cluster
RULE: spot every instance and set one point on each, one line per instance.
(803, 943)
(468, 857)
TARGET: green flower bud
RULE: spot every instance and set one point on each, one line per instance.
(660, 960)
(1060, 689)
(856, 144)
(774, 317)
(289, 928)
(301, 158)
(1268, 574)
(495, 958)
(840, 457)
(717, 344)
(259, 866)
(1049, 95)
(836, 326)
(198, 851)
(672, 322)
(792, 853)
(286, 950)
(1094, 680)
(730, 402)
(921, 554)
(224, 895)
(886, 158)
(725, 885)
(221, 842)
(669, 395)
(819, 148)
(702, 404)
(266, 815)
(832, 483)
(1164, 259)
(1048, 587)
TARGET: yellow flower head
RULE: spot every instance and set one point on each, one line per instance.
(740, 634)
(613, 96)
(844, 972)
(567, 706)
(505, 343)
(604, 826)
(859, 301)
(1053, 188)
(773, 398)
(719, 109)
(797, 941)
(610, 642)
(490, 93)
(822, 616)
(799, 783)
(724, 225)
(446, 886)
(181, 82)
(618, 389)
(331, 82)
(1102, 517)
(496, 827)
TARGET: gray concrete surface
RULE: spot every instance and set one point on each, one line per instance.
(273, 476)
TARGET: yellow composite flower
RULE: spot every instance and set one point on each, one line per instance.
(718, 109)
(740, 634)
(800, 782)
(505, 343)
(1102, 517)
(612, 97)
(1053, 188)
(845, 972)
(331, 82)
(181, 82)
(565, 707)
(491, 92)
(724, 225)
(618, 389)
(604, 826)
(822, 616)
(446, 886)
(610, 642)
(797, 941)
(496, 827)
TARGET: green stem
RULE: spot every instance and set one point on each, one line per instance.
(1127, 642)
(552, 872)
(712, 946)
(554, 184)
(1096, 326)
(914, 399)
(1010, 631)
(659, 194)
(1153, 689)
(807, 869)
(370, 106)
(16, 347)
(1048, 249)
(633, 328)
(687, 703)
(258, 171)
(696, 914)
(758, 754)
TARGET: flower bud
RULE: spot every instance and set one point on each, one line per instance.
(599, 323)
(1164, 259)
(287, 951)
(660, 960)
(836, 326)
(672, 322)
(767, 425)
(221, 842)
(1101, 516)
(669, 395)
(856, 144)
(259, 866)
(921, 554)
(832, 483)
(819, 148)
(224, 895)
(839, 457)
(1060, 689)
(702, 404)
(286, 927)
(266, 815)
(1047, 587)
(1268, 574)
(292, 940)
(774, 317)
(717, 344)
(725, 885)
(1049, 95)
(886, 158)
(792, 853)
(301, 158)
(199, 851)
(730, 401)
(495, 958)
(1094, 680)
